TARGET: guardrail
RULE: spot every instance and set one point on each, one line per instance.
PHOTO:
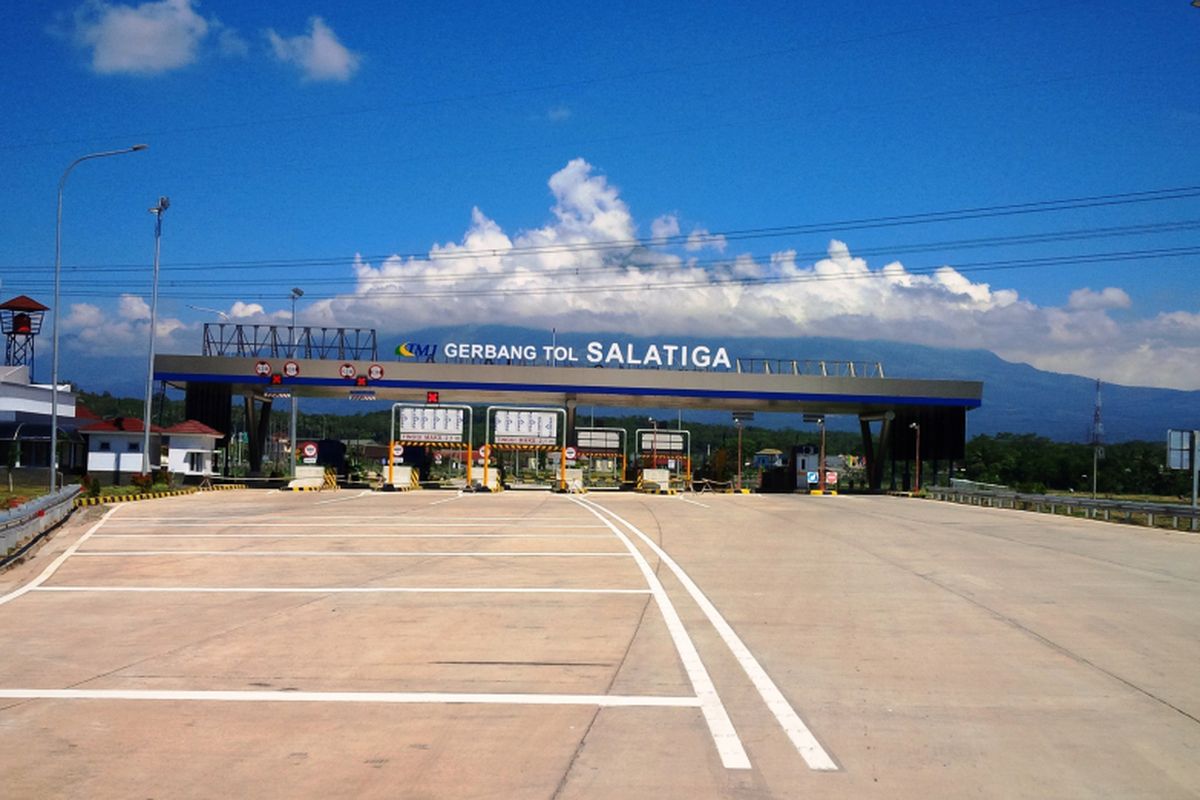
(22, 526)
(1154, 515)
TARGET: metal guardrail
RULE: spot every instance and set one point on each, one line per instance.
(1149, 514)
(31, 520)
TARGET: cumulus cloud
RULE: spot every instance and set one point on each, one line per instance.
(1087, 300)
(146, 39)
(664, 228)
(569, 274)
(701, 238)
(319, 55)
(95, 331)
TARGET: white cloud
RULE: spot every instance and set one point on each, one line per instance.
(663, 228)
(1087, 300)
(701, 238)
(558, 113)
(319, 55)
(147, 39)
(568, 274)
(94, 331)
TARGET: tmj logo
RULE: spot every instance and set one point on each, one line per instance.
(422, 352)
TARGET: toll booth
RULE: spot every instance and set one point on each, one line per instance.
(602, 455)
(668, 450)
(432, 439)
(528, 445)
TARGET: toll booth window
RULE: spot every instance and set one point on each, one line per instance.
(105, 447)
(133, 447)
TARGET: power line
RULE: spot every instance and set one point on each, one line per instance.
(864, 223)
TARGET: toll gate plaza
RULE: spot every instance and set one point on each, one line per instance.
(263, 644)
(259, 364)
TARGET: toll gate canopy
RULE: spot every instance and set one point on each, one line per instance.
(281, 366)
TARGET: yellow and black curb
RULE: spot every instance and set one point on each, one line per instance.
(128, 498)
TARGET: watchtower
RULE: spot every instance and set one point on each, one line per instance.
(20, 321)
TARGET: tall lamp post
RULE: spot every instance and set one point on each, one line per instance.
(916, 426)
(296, 294)
(157, 211)
(62, 182)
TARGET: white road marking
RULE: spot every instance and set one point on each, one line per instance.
(58, 562)
(725, 737)
(240, 518)
(602, 700)
(337, 590)
(693, 502)
(352, 536)
(346, 554)
(802, 738)
(343, 499)
(373, 525)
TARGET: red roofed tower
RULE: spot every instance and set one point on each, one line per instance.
(20, 322)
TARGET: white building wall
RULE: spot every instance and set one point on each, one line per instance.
(177, 454)
(118, 457)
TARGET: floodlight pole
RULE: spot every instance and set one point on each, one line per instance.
(1195, 477)
(916, 426)
(62, 182)
(296, 293)
(157, 211)
(738, 422)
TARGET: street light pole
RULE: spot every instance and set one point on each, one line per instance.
(296, 293)
(916, 426)
(62, 182)
(157, 211)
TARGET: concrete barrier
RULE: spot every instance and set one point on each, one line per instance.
(309, 478)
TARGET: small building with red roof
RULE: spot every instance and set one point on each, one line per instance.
(191, 448)
(114, 448)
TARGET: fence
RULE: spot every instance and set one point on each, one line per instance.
(30, 521)
(1150, 514)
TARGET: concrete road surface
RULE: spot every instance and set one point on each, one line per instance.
(258, 644)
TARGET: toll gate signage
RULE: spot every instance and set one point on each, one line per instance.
(526, 427)
(662, 440)
(431, 423)
(599, 440)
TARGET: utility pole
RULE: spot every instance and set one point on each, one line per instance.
(1097, 440)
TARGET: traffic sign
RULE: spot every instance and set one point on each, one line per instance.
(814, 476)
(830, 478)
(291, 368)
(262, 368)
(483, 451)
(571, 453)
(347, 370)
(375, 372)
(397, 450)
(309, 449)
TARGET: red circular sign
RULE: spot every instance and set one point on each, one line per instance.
(291, 368)
(309, 449)
(375, 372)
(347, 370)
(571, 453)
(262, 368)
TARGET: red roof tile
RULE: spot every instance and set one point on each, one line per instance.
(119, 425)
(23, 303)
(191, 426)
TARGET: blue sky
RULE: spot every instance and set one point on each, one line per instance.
(368, 151)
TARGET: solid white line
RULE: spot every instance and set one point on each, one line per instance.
(725, 737)
(346, 554)
(58, 562)
(603, 700)
(802, 738)
(342, 499)
(693, 502)
(373, 525)
(336, 590)
(407, 517)
(351, 536)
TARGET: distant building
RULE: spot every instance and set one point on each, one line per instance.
(114, 448)
(191, 449)
(25, 413)
(768, 458)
